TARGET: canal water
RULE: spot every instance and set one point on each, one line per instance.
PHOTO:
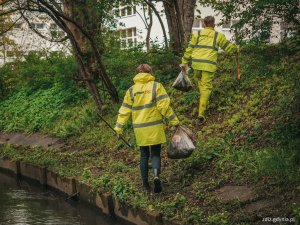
(22, 203)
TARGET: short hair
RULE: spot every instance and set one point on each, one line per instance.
(209, 21)
(144, 68)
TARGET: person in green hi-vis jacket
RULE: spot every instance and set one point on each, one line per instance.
(202, 52)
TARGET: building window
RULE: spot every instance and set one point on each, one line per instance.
(55, 31)
(260, 33)
(116, 12)
(228, 25)
(286, 30)
(10, 54)
(128, 37)
(124, 11)
(18, 25)
(198, 24)
(38, 26)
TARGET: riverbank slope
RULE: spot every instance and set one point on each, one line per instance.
(245, 167)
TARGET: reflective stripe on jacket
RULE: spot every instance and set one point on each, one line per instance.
(203, 49)
(148, 103)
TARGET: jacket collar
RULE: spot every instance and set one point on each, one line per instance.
(209, 28)
(143, 78)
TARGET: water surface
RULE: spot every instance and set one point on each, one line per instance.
(22, 203)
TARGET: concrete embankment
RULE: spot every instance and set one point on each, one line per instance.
(72, 188)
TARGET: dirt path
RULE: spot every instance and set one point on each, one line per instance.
(34, 140)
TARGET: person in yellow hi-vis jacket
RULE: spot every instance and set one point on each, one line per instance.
(202, 51)
(148, 103)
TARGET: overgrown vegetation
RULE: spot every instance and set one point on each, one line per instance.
(251, 136)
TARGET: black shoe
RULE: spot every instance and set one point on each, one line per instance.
(201, 119)
(157, 185)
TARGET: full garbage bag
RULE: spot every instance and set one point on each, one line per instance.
(181, 145)
(182, 82)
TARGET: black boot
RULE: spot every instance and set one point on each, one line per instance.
(157, 182)
(147, 187)
(201, 119)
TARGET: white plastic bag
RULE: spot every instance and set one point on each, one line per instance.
(182, 82)
(181, 145)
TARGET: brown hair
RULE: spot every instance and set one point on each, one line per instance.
(209, 21)
(144, 68)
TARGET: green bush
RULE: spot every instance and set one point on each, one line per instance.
(39, 90)
(38, 111)
(40, 72)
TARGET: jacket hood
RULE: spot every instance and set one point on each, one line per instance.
(143, 78)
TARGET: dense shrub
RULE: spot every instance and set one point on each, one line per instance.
(37, 91)
(38, 72)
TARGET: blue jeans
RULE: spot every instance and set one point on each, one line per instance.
(155, 160)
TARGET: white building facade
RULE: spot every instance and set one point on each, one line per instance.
(135, 21)
(26, 40)
(132, 24)
(132, 27)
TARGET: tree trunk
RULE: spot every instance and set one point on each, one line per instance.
(174, 30)
(180, 17)
(4, 50)
(187, 16)
(86, 48)
(152, 6)
(149, 28)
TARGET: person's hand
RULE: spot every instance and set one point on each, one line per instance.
(118, 133)
(173, 128)
(184, 66)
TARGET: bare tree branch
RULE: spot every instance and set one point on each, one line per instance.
(149, 28)
(144, 12)
(10, 27)
(56, 5)
(59, 14)
(149, 3)
(40, 34)
(3, 2)
(4, 13)
(142, 18)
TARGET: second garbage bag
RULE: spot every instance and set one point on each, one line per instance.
(182, 82)
(181, 145)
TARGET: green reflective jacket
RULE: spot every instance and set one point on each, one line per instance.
(203, 49)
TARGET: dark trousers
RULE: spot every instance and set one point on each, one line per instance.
(146, 151)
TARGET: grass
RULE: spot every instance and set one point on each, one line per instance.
(251, 138)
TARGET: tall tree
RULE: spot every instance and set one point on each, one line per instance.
(82, 22)
(258, 16)
(149, 27)
(152, 6)
(180, 18)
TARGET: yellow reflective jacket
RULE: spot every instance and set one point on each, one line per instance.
(203, 49)
(148, 103)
